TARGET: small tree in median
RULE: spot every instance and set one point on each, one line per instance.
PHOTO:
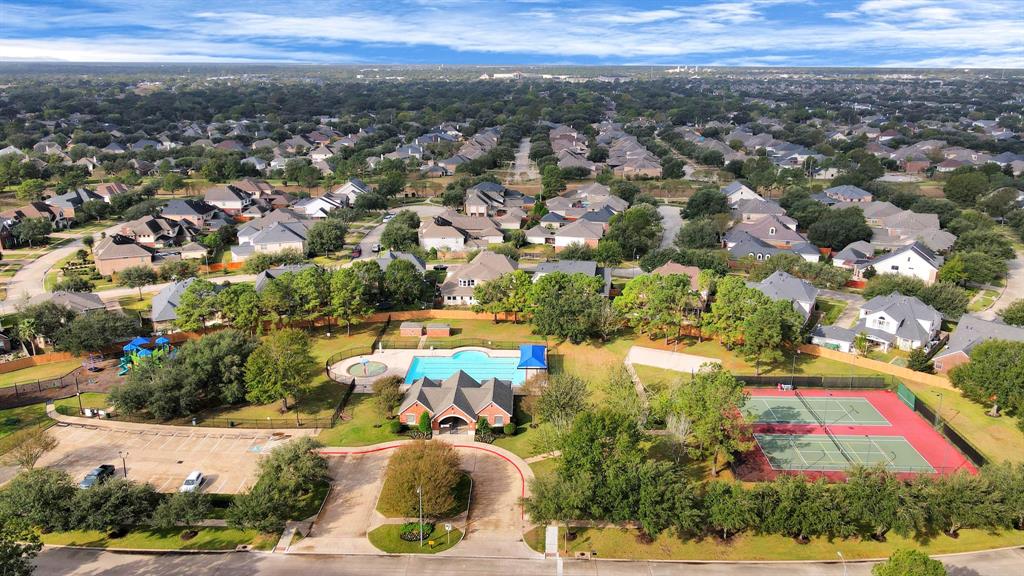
(434, 467)
(909, 563)
(387, 395)
(424, 423)
(184, 509)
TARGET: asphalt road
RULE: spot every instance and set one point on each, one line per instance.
(524, 170)
(1014, 288)
(64, 561)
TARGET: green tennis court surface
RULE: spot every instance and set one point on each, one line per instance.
(791, 410)
(820, 452)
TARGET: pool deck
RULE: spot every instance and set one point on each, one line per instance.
(398, 362)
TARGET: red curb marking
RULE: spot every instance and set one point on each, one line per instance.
(522, 478)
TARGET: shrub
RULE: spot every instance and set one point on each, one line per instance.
(432, 466)
(510, 429)
(424, 424)
(395, 426)
(411, 531)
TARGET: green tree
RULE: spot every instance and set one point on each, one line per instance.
(876, 502)
(1014, 313)
(734, 303)
(961, 500)
(239, 304)
(433, 468)
(637, 230)
(41, 497)
(32, 231)
(726, 508)
(326, 236)
(281, 366)
(984, 268)
(949, 299)
(562, 400)
(27, 446)
(566, 306)
(772, 327)
(658, 305)
(116, 505)
(403, 283)
(1007, 479)
(74, 283)
(349, 302)
(401, 233)
(196, 304)
(424, 423)
(705, 202)
(19, 545)
(713, 403)
(136, 277)
(507, 294)
(261, 508)
(909, 563)
(919, 361)
(387, 395)
(954, 270)
(175, 270)
(883, 284)
(965, 188)
(837, 228)
(625, 189)
(699, 233)
(96, 331)
(184, 509)
(30, 190)
(994, 376)
(991, 242)
(552, 182)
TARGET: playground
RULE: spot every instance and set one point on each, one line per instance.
(825, 432)
(136, 352)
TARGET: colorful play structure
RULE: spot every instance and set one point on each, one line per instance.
(135, 352)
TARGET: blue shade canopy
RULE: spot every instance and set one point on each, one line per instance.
(129, 347)
(145, 352)
(139, 341)
(161, 341)
(533, 356)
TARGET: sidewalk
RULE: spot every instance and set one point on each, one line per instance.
(106, 424)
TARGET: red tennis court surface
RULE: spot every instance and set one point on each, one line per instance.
(821, 433)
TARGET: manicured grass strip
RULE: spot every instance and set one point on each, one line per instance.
(309, 504)
(41, 372)
(623, 543)
(94, 400)
(210, 538)
(386, 538)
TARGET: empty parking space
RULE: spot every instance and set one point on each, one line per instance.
(164, 456)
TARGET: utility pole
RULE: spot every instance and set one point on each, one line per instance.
(419, 492)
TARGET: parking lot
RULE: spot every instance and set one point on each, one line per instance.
(164, 456)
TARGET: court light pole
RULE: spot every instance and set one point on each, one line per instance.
(939, 412)
(843, 558)
(419, 492)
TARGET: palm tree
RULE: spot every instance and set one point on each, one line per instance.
(26, 330)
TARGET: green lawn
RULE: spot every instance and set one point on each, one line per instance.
(210, 538)
(94, 400)
(998, 439)
(521, 442)
(543, 467)
(361, 425)
(324, 347)
(14, 419)
(386, 538)
(830, 310)
(319, 402)
(41, 372)
(623, 543)
(982, 301)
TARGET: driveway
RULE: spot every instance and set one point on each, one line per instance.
(349, 512)
(1014, 289)
(854, 302)
(373, 237)
(671, 222)
(164, 455)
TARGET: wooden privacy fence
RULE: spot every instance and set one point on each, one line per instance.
(883, 367)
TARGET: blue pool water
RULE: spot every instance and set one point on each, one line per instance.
(477, 364)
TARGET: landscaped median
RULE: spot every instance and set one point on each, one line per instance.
(389, 538)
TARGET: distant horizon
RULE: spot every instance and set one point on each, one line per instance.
(884, 34)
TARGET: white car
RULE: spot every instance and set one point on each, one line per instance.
(388, 217)
(193, 482)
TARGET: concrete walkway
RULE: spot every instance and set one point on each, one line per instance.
(105, 424)
(667, 360)
(854, 302)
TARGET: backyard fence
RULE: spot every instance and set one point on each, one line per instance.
(941, 425)
(802, 381)
(297, 421)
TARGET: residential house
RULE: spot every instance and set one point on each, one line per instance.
(492, 199)
(895, 320)
(692, 272)
(349, 191)
(228, 198)
(197, 212)
(845, 193)
(107, 191)
(193, 251)
(742, 244)
(915, 260)
(457, 289)
(158, 232)
(71, 201)
(319, 207)
(754, 209)
(116, 252)
(453, 231)
(971, 331)
(255, 187)
(770, 228)
(277, 231)
(386, 257)
(78, 302)
(271, 273)
(165, 302)
(782, 286)
(578, 232)
(856, 256)
(456, 404)
(833, 337)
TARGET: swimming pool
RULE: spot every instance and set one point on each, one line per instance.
(475, 363)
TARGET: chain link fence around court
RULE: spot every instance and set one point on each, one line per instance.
(941, 425)
(834, 382)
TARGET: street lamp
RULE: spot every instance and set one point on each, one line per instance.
(939, 411)
(419, 492)
(843, 558)
(124, 463)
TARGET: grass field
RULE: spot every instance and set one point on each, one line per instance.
(982, 301)
(94, 400)
(386, 538)
(319, 402)
(41, 372)
(14, 419)
(830, 310)
(210, 538)
(361, 425)
(623, 543)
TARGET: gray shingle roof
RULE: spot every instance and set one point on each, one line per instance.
(972, 331)
(459, 390)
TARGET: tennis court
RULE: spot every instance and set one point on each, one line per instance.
(817, 410)
(826, 452)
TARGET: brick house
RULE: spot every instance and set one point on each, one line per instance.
(117, 252)
(456, 403)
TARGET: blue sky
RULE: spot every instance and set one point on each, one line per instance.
(926, 33)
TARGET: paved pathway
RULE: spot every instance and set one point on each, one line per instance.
(67, 561)
(524, 169)
(1014, 289)
(671, 222)
(854, 302)
(667, 360)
